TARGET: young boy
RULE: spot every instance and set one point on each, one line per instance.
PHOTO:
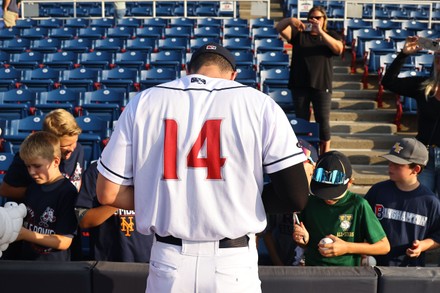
(50, 223)
(408, 211)
(113, 236)
(334, 212)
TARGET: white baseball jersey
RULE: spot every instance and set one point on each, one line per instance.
(195, 150)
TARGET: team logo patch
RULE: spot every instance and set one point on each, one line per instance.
(397, 148)
(198, 80)
(345, 221)
(211, 47)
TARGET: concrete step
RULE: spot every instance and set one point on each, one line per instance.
(382, 115)
(364, 141)
(369, 175)
(344, 127)
(368, 157)
(346, 104)
(347, 85)
(360, 94)
(346, 77)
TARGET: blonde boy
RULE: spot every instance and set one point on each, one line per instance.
(50, 223)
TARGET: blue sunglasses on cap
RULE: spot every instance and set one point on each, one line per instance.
(335, 177)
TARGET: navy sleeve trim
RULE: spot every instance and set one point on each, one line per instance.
(120, 176)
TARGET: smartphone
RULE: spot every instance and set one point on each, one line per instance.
(428, 44)
(308, 27)
(295, 219)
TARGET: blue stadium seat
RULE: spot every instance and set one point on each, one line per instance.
(92, 32)
(50, 23)
(169, 44)
(142, 11)
(247, 76)
(179, 32)
(59, 98)
(26, 60)
(17, 45)
(273, 59)
(206, 11)
(6, 159)
(264, 32)
(170, 58)
(261, 22)
(26, 23)
(133, 59)
(9, 77)
(61, 60)
(424, 62)
(129, 22)
(268, 45)
(371, 59)
(208, 22)
(103, 22)
(235, 22)
(48, 45)
(80, 45)
(244, 59)
(383, 25)
(236, 32)
(4, 59)
(109, 44)
(156, 32)
(94, 133)
(96, 59)
(34, 33)
(207, 32)
(155, 76)
(182, 22)
(194, 44)
(414, 26)
(122, 79)
(142, 44)
(41, 79)
(107, 104)
(80, 79)
(19, 129)
(360, 36)
(274, 78)
(238, 44)
(17, 103)
(77, 22)
(396, 35)
(355, 24)
(309, 131)
(121, 32)
(63, 33)
(156, 21)
(9, 33)
(283, 97)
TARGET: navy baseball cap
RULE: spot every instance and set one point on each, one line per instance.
(408, 150)
(215, 49)
(331, 175)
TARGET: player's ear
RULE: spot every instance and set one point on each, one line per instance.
(233, 75)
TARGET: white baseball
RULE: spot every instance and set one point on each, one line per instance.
(325, 240)
(368, 261)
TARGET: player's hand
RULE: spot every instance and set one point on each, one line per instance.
(337, 248)
(415, 250)
(300, 234)
(411, 46)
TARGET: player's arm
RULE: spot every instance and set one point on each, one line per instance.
(115, 195)
(55, 241)
(341, 247)
(89, 218)
(420, 246)
(288, 190)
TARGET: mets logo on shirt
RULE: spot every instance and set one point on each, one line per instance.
(345, 221)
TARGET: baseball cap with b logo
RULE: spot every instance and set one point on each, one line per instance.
(407, 151)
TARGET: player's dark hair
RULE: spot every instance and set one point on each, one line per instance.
(210, 59)
(413, 165)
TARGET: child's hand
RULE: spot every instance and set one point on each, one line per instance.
(300, 234)
(415, 250)
(337, 248)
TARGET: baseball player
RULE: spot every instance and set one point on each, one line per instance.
(189, 156)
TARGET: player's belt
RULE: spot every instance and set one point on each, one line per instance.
(223, 243)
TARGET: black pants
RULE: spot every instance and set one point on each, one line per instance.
(321, 102)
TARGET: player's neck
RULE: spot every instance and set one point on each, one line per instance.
(213, 71)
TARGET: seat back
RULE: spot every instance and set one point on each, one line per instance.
(309, 131)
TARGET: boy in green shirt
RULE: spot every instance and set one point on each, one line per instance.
(334, 212)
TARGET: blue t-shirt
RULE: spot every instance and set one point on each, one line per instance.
(405, 216)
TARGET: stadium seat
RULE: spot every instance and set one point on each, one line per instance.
(129, 22)
(274, 78)
(80, 79)
(59, 98)
(247, 76)
(94, 133)
(309, 131)
(396, 35)
(17, 104)
(110, 44)
(360, 36)
(268, 44)
(133, 59)
(19, 129)
(119, 78)
(373, 50)
(383, 25)
(355, 24)
(61, 60)
(194, 44)
(48, 45)
(155, 76)
(41, 79)
(9, 78)
(96, 59)
(26, 23)
(424, 62)
(238, 44)
(261, 22)
(206, 11)
(9, 33)
(34, 33)
(121, 32)
(264, 33)
(142, 11)
(207, 32)
(156, 32)
(6, 159)
(244, 59)
(26, 60)
(236, 32)
(182, 22)
(17, 45)
(283, 97)
(77, 22)
(169, 58)
(107, 104)
(147, 45)
(156, 21)
(273, 59)
(179, 32)
(170, 44)
(63, 33)
(103, 22)
(92, 32)
(80, 45)
(414, 26)
(4, 59)
(235, 22)
(208, 22)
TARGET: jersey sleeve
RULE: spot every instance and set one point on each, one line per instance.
(17, 174)
(280, 144)
(119, 168)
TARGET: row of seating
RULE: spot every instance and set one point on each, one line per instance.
(80, 22)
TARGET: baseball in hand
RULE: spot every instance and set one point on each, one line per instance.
(325, 240)
(368, 261)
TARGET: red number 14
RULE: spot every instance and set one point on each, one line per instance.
(210, 134)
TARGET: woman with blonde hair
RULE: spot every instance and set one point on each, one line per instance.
(311, 68)
(425, 90)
